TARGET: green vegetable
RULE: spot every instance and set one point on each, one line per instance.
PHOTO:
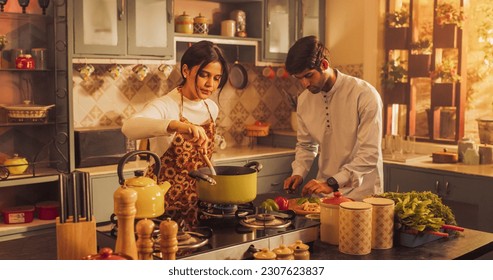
(302, 200)
(270, 205)
(420, 210)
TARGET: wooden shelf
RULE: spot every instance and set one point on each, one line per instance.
(14, 231)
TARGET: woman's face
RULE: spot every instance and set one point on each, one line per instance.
(207, 81)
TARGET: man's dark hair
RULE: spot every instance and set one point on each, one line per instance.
(306, 53)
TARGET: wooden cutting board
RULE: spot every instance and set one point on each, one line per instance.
(297, 208)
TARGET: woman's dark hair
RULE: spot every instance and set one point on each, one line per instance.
(306, 53)
(203, 53)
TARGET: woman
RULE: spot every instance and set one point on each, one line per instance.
(181, 126)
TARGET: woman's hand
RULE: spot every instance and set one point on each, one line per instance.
(315, 187)
(197, 133)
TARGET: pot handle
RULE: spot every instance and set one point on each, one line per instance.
(201, 176)
(129, 155)
(254, 165)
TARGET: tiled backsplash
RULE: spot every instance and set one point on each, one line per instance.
(101, 100)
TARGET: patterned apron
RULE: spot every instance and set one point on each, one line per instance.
(181, 202)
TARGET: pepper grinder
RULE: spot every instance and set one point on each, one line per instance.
(145, 243)
(169, 242)
(124, 204)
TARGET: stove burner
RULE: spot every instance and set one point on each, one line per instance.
(265, 217)
(224, 211)
(261, 221)
(226, 208)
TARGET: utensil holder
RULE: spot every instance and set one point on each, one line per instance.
(75, 240)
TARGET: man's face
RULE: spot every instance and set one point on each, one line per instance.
(311, 79)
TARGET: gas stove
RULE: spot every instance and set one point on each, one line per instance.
(230, 232)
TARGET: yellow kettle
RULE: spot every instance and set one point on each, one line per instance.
(150, 195)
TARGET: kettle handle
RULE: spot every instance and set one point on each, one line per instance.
(129, 155)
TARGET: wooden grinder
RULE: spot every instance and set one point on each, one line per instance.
(124, 203)
(169, 242)
(145, 243)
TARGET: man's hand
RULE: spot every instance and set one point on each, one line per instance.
(316, 187)
(291, 183)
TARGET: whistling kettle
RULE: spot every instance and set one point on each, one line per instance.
(150, 195)
(16, 165)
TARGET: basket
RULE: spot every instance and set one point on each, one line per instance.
(27, 113)
(257, 130)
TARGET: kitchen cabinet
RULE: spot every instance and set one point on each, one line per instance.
(119, 28)
(43, 141)
(468, 196)
(287, 21)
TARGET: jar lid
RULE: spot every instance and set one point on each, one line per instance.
(355, 205)
(378, 201)
(299, 246)
(107, 254)
(47, 204)
(337, 199)
(283, 250)
(184, 19)
(265, 254)
(16, 209)
(200, 19)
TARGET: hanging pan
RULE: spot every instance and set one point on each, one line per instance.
(238, 76)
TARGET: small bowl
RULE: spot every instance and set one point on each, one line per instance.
(313, 217)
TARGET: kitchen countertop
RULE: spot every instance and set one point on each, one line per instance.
(471, 245)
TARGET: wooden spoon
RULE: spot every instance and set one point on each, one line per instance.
(209, 163)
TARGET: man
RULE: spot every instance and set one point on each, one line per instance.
(339, 118)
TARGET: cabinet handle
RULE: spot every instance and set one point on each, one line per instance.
(170, 10)
(275, 184)
(437, 186)
(447, 190)
(121, 12)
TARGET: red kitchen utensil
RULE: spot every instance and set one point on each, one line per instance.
(47, 210)
(18, 214)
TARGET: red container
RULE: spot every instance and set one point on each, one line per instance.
(47, 210)
(18, 214)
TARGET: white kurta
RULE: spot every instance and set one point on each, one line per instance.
(152, 122)
(344, 126)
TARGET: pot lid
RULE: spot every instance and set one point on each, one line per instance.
(265, 254)
(107, 254)
(283, 250)
(337, 199)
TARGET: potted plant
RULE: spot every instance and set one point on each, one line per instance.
(446, 72)
(393, 72)
(448, 18)
(420, 58)
(398, 29)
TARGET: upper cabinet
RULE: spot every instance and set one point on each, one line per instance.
(286, 21)
(131, 28)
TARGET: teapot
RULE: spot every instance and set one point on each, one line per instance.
(150, 195)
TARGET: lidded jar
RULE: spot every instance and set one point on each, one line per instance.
(200, 25)
(300, 250)
(184, 24)
(284, 253)
(329, 218)
(265, 254)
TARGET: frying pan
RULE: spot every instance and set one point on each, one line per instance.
(238, 76)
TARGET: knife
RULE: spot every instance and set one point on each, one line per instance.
(74, 194)
(61, 187)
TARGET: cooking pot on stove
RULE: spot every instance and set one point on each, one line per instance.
(150, 195)
(233, 184)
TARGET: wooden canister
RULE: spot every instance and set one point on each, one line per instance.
(382, 232)
(355, 228)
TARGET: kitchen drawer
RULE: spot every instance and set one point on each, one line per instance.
(276, 165)
(271, 183)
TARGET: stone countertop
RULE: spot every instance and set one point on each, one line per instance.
(471, 244)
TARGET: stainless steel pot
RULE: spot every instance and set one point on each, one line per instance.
(233, 184)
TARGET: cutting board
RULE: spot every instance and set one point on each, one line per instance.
(297, 208)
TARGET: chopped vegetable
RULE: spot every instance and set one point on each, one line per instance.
(282, 202)
(269, 205)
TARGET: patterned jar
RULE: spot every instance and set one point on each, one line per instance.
(200, 25)
(355, 228)
(382, 233)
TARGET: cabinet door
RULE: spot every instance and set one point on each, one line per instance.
(150, 26)
(103, 187)
(99, 27)
(279, 29)
(405, 180)
(470, 201)
(312, 19)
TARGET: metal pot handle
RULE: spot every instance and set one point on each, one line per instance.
(201, 176)
(129, 155)
(254, 165)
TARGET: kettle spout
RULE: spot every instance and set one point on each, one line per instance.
(165, 187)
